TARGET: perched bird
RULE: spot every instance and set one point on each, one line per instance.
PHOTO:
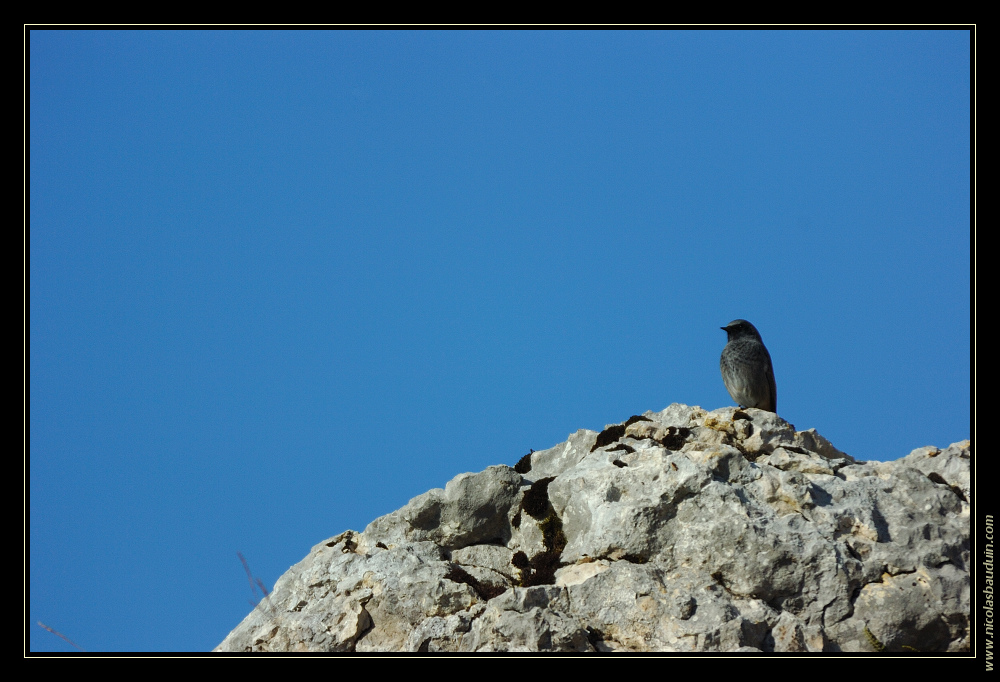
(746, 368)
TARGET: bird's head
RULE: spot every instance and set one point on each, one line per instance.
(738, 329)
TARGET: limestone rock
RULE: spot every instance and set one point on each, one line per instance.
(680, 530)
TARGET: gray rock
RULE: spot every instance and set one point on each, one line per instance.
(681, 530)
(470, 509)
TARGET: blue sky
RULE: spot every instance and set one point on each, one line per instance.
(281, 282)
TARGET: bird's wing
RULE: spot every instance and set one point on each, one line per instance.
(774, 386)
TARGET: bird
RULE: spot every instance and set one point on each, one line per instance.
(746, 367)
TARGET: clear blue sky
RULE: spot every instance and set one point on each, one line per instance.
(282, 282)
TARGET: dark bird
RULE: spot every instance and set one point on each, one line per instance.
(746, 368)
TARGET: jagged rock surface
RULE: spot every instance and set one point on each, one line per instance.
(683, 530)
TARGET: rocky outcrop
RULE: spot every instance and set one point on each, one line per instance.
(681, 530)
